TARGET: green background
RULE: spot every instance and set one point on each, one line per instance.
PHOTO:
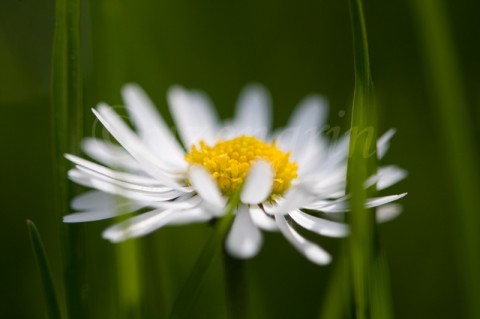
(293, 48)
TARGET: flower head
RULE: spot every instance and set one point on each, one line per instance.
(295, 177)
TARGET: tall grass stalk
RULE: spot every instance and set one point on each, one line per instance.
(363, 245)
(67, 126)
(457, 131)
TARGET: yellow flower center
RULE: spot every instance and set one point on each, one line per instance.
(229, 163)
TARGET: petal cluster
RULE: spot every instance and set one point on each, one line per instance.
(292, 178)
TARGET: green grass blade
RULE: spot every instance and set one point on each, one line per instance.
(44, 268)
(128, 278)
(67, 123)
(363, 242)
(189, 294)
(456, 127)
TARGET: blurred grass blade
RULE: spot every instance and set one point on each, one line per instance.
(42, 262)
(363, 242)
(456, 127)
(187, 297)
(67, 126)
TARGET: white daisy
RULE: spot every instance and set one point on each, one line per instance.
(294, 177)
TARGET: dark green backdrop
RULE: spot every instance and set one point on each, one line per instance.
(294, 48)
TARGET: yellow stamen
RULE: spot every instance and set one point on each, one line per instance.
(229, 162)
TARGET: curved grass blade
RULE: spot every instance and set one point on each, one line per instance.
(461, 149)
(364, 247)
(44, 268)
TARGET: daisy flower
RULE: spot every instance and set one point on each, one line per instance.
(294, 177)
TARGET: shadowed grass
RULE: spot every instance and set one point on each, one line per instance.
(457, 131)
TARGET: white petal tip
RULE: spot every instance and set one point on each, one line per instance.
(258, 184)
(129, 87)
(247, 251)
(317, 255)
(113, 236)
(244, 239)
(204, 184)
(388, 212)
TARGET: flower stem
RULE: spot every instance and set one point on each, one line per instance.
(189, 294)
(235, 286)
(370, 294)
(461, 149)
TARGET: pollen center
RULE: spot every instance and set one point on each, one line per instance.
(229, 162)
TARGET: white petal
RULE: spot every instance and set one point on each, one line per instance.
(109, 154)
(194, 115)
(389, 176)
(122, 133)
(204, 184)
(383, 143)
(102, 213)
(303, 128)
(244, 239)
(310, 113)
(262, 220)
(253, 114)
(138, 180)
(344, 206)
(93, 200)
(151, 190)
(312, 156)
(89, 216)
(295, 198)
(193, 215)
(258, 184)
(310, 250)
(151, 126)
(319, 225)
(388, 212)
(378, 201)
(84, 179)
(186, 201)
(332, 181)
(336, 155)
(140, 225)
(386, 177)
(322, 203)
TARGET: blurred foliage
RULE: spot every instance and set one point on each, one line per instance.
(292, 48)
